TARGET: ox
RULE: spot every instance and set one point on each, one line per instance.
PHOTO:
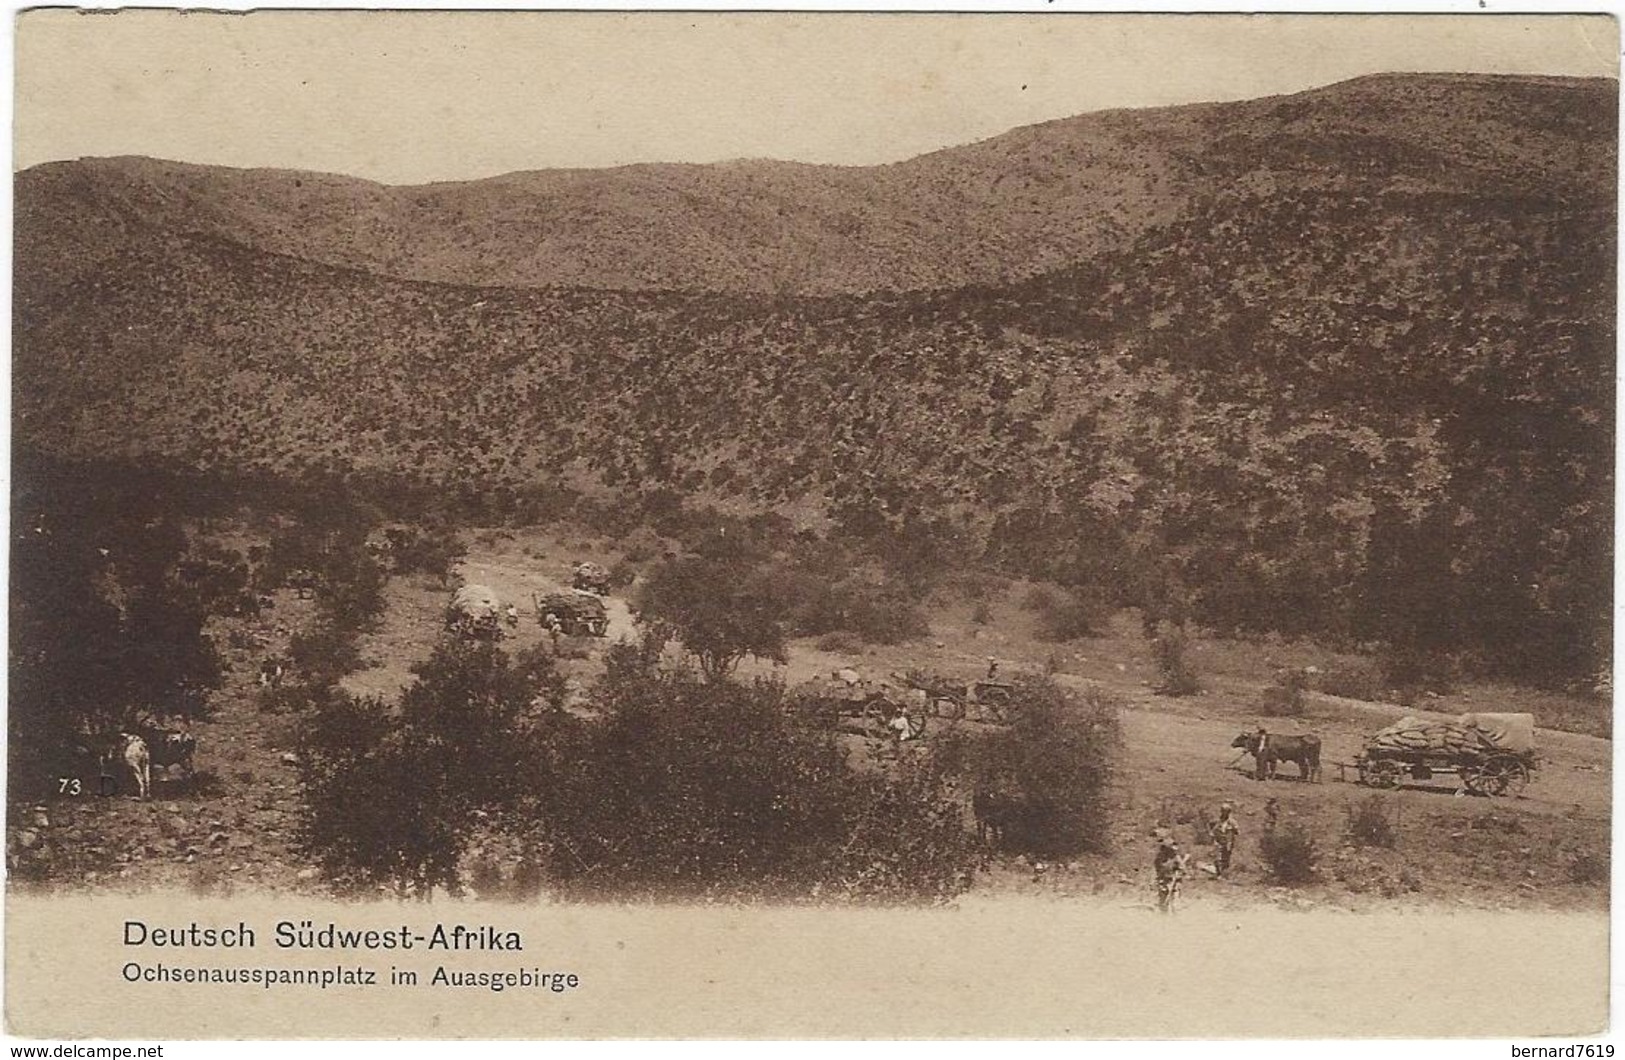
(146, 746)
(1269, 750)
(1005, 814)
(130, 751)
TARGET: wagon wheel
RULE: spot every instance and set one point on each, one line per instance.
(1380, 774)
(1501, 775)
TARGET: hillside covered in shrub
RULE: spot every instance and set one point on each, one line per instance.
(1338, 363)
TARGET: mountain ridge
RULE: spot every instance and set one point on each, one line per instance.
(994, 211)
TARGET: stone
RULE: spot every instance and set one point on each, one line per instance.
(28, 839)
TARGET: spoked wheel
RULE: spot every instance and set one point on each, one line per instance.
(1380, 774)
(1501, 775)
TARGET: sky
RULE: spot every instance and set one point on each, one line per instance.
(413, 97)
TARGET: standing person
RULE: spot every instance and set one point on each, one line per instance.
(1170, 867)
(1225, 832)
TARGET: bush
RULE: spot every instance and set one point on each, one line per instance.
(1369, 825)
(841, 642)
(1357, 680)
(1064, 616)
(692, 788)
(1045, 776)
(1413, 671)
(573, 647)
(1289, 853)
(1284, 697)
(393, 795)
(1168, 646)
(877, 610)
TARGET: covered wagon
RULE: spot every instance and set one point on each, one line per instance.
(590, 578)
(475, 611)
(1492, 754)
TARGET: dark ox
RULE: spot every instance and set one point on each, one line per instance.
(1270, 750)
(1004, 814)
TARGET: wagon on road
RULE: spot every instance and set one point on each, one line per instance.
(1490, 754)
(576, 614)
(955, 700)
(848, 703)
(475, 612)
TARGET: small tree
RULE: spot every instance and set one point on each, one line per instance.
(1178, 679)
(1290, 853)
(721, 610)
(1044, 778)
(393, 796)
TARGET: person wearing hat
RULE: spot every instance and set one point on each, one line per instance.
(1224, 831)
(1170, 868)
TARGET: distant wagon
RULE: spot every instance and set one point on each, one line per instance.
(590, 577)
(1493, 754)
(576, 614)
(985, 700)
(846, 702)
(475, 611)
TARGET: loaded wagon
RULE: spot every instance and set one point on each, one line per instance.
(1491, 754)
(475, 612)
(590, 578)
(575, 614)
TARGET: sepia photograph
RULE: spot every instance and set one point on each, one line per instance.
(810, 525)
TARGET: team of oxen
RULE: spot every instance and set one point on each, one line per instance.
(1269, 750)
(136, 750)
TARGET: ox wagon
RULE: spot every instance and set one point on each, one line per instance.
(954, 700)
(577, 614)
(1492, 754)
(848, 703)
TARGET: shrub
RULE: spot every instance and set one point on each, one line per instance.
(1064, 616)
(485, 877)
(1289, 853)
(1046, 774)
(324, 654)
(841, 642)
(1168, 646)
(1356, 680)
(1283, 698)
(393, 795)
(573, 647)
(1413, 671)
(622, 573)
(878, 611)
(1369, 825)
(695, 788)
